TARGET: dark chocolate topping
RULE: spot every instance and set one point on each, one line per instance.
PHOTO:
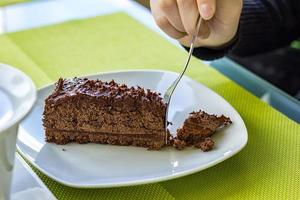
(208, 121)
(109, 93)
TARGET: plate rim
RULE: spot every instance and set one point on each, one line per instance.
(147, 180)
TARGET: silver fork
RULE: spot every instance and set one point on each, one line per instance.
(170, 90)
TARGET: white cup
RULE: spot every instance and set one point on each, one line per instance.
(17, 96)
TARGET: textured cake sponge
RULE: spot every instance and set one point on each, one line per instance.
(83, 111)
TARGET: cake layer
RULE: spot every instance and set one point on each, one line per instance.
(92, 117)
(151, 141)
(84, 105)
(200, 125)
(197, 129)
(83, 110)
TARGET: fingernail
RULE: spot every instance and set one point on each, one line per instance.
(205, 11)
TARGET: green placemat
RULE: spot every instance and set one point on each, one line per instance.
(268, 167)
(8, 2)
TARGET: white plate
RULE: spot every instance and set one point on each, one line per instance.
(96, 165)
(26, 182)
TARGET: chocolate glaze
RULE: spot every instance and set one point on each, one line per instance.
(109, 94)
(207, 121)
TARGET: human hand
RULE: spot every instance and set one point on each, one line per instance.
(178, 19)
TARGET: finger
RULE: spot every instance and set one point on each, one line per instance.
(163, 22)
(167, 27)
(200, 40)
(204, 31)
(186, 41)
(171, 12)
(207, 8)
(189, 13)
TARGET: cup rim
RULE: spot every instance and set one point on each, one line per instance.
(17, 118)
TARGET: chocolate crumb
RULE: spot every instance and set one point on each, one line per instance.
(179, 144)
(199, 127)
(206, 145)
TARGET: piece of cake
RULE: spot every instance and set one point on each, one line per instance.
(197, 130)
(83, 111)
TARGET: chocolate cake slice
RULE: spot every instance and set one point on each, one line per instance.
(198, 128)
(83, 111)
